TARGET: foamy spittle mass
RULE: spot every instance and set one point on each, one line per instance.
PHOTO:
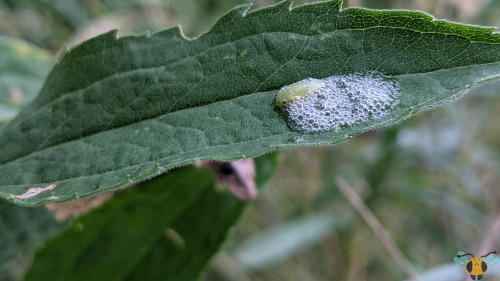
(337, 102)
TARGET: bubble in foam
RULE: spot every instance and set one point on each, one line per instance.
(337, 102)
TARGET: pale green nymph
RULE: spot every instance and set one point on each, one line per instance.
(297, 91)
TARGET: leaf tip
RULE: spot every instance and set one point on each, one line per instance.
(337, 3)
(236, 13)
(285, 5)
(175, 32)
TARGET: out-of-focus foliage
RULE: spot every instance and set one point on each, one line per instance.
(21, 229)
(51, 23)
(432, 181)
(23, 69)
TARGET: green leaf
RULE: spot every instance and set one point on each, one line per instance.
(23, 68)
(265, 167)
(116, 111)
(164, 228)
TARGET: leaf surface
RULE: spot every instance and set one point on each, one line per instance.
(116, 111)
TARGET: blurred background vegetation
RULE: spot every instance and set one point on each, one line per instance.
(431, 181)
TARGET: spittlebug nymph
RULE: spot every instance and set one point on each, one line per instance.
(297, 91)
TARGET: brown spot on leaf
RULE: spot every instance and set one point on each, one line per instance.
(33, 192)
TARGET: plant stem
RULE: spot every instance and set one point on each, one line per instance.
(377, 228)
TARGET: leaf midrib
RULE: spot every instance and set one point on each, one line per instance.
(242, 142)
(180, 110)
(138, 122)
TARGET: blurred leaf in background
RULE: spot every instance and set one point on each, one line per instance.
(164, 229)
(20, 230)
(23, 69)
(51, 24)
